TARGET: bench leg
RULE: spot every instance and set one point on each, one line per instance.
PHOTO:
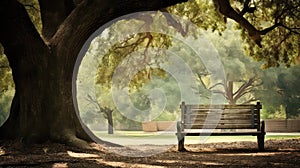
(180, 138)
(261, 138)
(261, 142)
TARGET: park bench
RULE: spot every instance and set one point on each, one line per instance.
(220, 120)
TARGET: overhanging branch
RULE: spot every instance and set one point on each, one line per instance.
(225, 8)
(247, 8)
(90, 15)
(292, 30)
(53, 13)
(17, 32)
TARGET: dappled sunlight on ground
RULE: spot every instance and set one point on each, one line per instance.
(82, 155)
(2, 152)
(279, 153)
(60, 165)
(126, 164)
(247, 154)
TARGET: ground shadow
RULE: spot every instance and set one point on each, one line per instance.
(279, 153)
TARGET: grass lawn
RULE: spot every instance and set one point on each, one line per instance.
(164, 138)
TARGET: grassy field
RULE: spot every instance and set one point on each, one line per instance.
(163, 138)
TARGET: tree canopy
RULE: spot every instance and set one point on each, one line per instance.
(270, 29)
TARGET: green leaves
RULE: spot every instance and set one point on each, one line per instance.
(33, 9)
(119, 52)
(281, 44)
(275, 22)
(280, 92)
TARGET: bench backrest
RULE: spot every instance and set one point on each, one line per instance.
(220, 116)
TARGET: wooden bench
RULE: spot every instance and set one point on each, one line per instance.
(220, 120)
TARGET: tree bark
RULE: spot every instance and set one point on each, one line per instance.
(53, 13)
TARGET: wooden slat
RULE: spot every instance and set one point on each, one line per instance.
(222, 121)
(220, 114)
(218, 126)
(227, 106)
(195, 121)
(226, 111)
(222, 117)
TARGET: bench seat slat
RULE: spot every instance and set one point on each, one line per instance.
(203, 121)
(220, 115)
(219, 126)
(235, 111)
(227, 106)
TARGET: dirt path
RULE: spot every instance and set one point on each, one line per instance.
(279, 153)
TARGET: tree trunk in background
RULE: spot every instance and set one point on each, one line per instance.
(110, 122)
(229, 92)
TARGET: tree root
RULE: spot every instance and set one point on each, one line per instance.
(79, 143)
(93, 138)
(83, 144)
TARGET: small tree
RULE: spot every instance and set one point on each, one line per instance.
(242, 74)
(107, 112)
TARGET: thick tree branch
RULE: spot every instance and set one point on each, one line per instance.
(245, 86)
(247, 8)
(53, 13)
(147, 5)
(93, 101)
(77, 2)
(225, 8)
(19, 35)
(200, 79)
(268, 29)
(235, 98)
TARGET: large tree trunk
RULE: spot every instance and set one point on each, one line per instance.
(26, 120)
(43, 108)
